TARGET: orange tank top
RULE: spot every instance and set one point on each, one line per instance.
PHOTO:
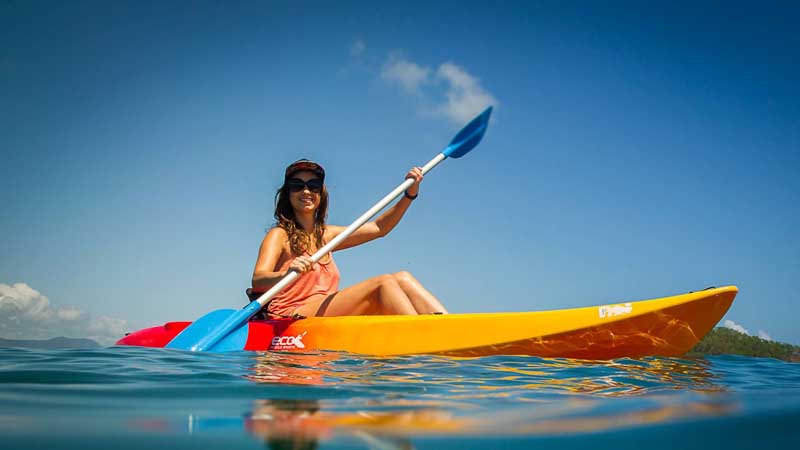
(322, 279)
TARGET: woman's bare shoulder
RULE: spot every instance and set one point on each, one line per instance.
(275, 235)
(277, 231)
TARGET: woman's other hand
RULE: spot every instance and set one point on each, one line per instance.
(301, 264)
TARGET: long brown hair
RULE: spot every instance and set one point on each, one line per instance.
(299, 239)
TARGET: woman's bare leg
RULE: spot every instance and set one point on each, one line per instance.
(379, 295)
(422, 300)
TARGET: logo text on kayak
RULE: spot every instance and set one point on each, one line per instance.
(615, 310)
(287, 342)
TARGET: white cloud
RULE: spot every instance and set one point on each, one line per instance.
(735, 326)
(454, 93)
(27, 314)
(107, 326)
(357, 48)
(24, 302)
(69, 313)
(466, 98)
(409, 75)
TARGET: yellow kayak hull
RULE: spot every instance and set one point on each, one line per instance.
(668, 326)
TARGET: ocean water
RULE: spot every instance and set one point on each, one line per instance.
(124, 398)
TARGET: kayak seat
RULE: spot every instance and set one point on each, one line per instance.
(252, 296)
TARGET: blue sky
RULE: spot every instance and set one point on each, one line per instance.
(637, 150)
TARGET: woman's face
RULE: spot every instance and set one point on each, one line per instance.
(305, 200)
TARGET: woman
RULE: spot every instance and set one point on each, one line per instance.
(301, 206)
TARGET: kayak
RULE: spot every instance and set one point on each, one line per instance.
(668, 326)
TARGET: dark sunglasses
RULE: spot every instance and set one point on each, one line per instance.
(296, 185)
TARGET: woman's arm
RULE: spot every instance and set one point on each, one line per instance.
(264, 275)
(381, 226)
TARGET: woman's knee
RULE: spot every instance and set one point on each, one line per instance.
(382, 285)
(376, 283)
(404, 277)
(389, 281)
(385, 279)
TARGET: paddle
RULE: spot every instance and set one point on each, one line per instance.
(226, 329)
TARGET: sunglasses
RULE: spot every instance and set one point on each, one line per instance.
(296, 185)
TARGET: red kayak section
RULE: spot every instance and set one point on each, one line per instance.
(259, 332)
(155, 336)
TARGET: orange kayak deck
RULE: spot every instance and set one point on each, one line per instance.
(668, 326)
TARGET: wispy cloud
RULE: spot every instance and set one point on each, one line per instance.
(27, 314)
(409, 75)
(465, 96)
(450, 91)
(763, 335)
(735, 326)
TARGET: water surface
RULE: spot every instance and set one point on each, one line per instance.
(126, 397)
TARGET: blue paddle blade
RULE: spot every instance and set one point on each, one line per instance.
(197, 334)
(469, 136)
(233, 341)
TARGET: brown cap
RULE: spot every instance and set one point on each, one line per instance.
(304, 164)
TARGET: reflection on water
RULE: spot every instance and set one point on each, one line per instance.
(612, 378)
(304, 423)
(499, 395)
(288, 423)
(499, 374)
(299, 424)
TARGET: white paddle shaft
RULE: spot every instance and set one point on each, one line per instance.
(291, 276)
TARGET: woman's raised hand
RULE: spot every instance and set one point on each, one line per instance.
(301, 264)
(416, 174)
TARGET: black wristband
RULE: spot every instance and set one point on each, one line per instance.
(410, 197)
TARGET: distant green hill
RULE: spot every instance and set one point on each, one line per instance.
(58, 342)
(725, 341)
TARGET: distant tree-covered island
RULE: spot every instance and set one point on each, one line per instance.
(725, 341)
